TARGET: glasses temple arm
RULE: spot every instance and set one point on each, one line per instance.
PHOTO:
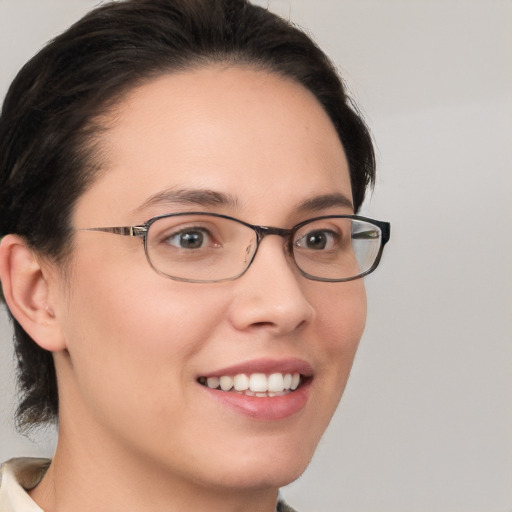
(138, 231)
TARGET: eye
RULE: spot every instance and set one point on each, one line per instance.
(318, 240)
(190, 238)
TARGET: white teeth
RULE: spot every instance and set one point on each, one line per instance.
(226, 383)
(241, 382)
(276, 383)
(213, 382)
(256, 384)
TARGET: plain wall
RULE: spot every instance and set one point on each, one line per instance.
(426, 420)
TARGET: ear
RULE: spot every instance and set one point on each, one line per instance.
(26, 288)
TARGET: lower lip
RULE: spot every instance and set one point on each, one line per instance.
(264, 408)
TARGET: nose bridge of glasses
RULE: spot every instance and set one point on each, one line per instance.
(263, 231)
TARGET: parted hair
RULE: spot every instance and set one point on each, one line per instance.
(55, 110)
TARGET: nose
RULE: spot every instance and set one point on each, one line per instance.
(270, 295)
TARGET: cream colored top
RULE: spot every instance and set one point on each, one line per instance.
(18, 476)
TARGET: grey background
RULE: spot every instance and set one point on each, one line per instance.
(426, 421)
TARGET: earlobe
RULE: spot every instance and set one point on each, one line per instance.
(27, 293)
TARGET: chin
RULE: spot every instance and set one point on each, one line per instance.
(266, 468)
(263, 478)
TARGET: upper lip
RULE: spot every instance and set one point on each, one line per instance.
(265, 365)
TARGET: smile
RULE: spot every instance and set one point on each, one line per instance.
(255, 384)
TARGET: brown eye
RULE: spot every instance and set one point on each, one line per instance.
(318, 240)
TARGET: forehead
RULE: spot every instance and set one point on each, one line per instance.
(247, 134)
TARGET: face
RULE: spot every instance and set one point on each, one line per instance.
(140, 346)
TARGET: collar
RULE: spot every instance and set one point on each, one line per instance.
(18, 476)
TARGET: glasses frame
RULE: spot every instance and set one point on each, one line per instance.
(141, 231)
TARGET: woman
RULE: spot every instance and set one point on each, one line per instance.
(180, 256)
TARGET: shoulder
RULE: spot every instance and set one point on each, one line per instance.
(17, 476)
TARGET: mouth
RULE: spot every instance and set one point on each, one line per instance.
(264, 389)
(260, 385)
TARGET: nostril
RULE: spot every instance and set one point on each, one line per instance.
(257, 325)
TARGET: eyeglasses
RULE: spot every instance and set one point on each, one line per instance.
(200, 247)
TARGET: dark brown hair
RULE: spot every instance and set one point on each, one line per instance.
(51, 120)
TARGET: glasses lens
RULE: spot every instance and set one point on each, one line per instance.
(337, 248)
(194, 247)
(205, 247)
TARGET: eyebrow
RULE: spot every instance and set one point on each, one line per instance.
(325, 201)
(212, 198)
(188, 197)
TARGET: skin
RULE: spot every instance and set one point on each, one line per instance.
(136, 430)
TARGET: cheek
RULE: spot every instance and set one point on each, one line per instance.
(341, 313)
(341, 317)
(134, 333)
(155, 320)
